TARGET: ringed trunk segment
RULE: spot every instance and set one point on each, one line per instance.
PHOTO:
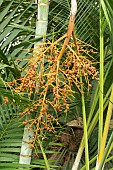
(41, 21)
(41, 29)
(26, 148)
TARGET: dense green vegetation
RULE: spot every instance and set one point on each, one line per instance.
(56, 101)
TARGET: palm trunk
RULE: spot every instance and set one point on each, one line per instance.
(26, 150)
(41, 29)
(42, 20)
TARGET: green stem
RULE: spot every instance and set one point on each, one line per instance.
(106, 152)
(44, 155)
(106, 128)
(90, 129)
(90, 162)
(101, 100)
(101, 79)
(85, 128)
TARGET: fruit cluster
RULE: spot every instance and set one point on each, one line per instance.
(52, 82)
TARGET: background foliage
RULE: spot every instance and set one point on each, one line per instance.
(17, 36)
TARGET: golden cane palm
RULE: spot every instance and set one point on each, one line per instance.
(41, 30)
(17, 37)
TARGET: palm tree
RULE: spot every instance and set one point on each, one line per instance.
(41, 29)
(17, 37)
